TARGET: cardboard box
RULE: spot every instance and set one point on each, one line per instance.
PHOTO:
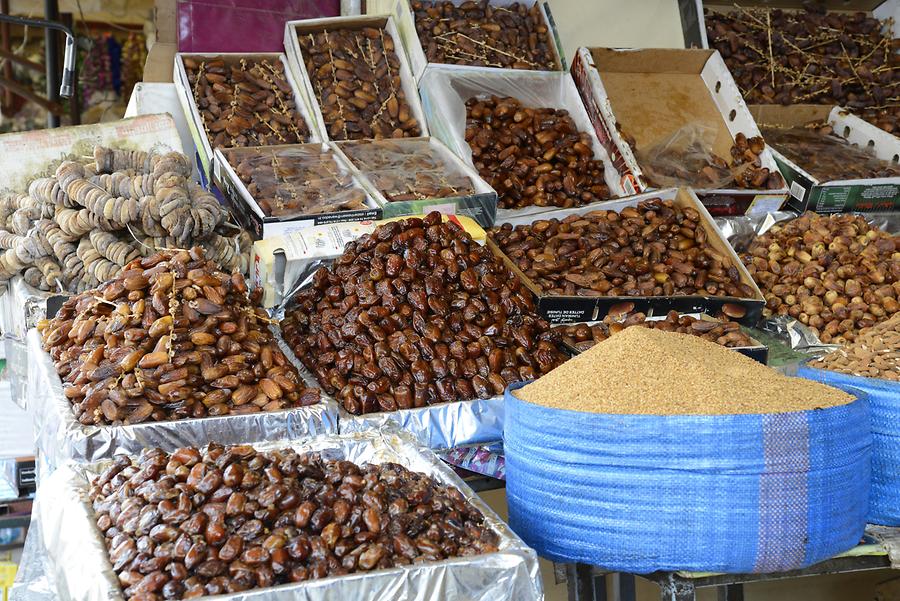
(757, 351)
(195, 123)
(282, 264)
(568, 309)
(650, 94)
(480, 205)
(252, 217)
(292, 29)
(445, 91)
(835, 196)
(158, 66)
(402, 12)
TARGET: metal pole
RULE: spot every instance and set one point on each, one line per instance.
(51, 53)
(5, 43)
(74, 99)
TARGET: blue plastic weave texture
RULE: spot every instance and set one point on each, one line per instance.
(884, 401)
(722, 493)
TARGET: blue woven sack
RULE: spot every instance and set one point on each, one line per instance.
(721, 493)
(884, 401)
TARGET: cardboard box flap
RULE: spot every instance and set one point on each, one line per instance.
(794, 115)
(650, 60)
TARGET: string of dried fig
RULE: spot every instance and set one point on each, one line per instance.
(79, 227)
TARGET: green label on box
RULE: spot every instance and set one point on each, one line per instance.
(868, 198)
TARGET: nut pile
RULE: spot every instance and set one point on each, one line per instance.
(827, 156)
(79, 227)
(696, 165)
(230, 519)
(417, 313)
(783, 57)
(875, 354)
(654, 249)
(532, 156)
(355, 75)
(171, 337)
(673, 374)
(408, 169)
(836, 274)
(245, 101)
(296, 180)
(476, 33)
(724, 332)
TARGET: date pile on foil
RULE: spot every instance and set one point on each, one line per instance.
(345, 517)
(229, 519)
(416, 313)
(171, 337)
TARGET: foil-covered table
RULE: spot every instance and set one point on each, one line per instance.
(61, 437)
(67, 552)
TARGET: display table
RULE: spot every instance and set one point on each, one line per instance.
(588, 583)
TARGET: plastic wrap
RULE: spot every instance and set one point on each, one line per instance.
(445, 90)
(77, 557)
(723, 493)
(224, 25)
(828, 157)
(291, 181)
(412, 169)
(60, 437)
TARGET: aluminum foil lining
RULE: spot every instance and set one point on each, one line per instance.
(798, 336)
(32, 582)
(16, 368)
(76, 557)
(60, 437)
(443, 426)
(740, 230)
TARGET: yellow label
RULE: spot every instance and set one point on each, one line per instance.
(7, 575)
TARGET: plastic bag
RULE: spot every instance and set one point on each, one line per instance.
(721, 493)
(686, 158)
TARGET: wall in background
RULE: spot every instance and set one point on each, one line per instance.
(617, 24)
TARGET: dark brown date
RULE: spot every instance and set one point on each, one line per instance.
(357, 518)
(476, 33)
(654, 249)
(355, 74)
(450, 312)
(533, 156)
(245, 101)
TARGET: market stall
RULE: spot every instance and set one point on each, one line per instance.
(407, 256)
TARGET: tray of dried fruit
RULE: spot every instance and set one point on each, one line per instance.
(360, 516)
(172, 352)
(418, 325)
(579, 337)
(659, 251)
